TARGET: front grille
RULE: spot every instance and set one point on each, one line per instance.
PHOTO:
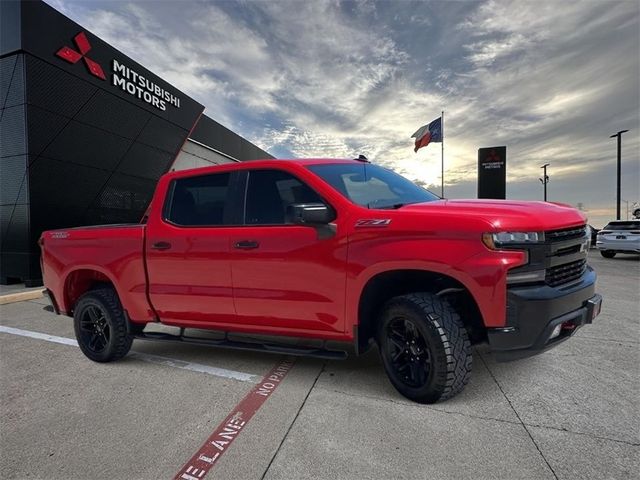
(565, 273)
(566, 234)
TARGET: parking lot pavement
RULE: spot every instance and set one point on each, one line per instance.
(384, 439)
(570, 413)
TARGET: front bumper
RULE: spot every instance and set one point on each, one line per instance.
(534, 312)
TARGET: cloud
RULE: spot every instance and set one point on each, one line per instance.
(551, 80)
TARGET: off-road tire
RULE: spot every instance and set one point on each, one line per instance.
(607, 253)
(443, 354)
(99, 311)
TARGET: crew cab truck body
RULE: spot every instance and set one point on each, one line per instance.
(336, 250)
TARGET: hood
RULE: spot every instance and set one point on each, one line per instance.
(506, 215)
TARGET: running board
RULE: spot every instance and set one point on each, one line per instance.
(298, 351)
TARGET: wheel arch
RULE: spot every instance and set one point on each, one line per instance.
(383, 286)
(79, 281)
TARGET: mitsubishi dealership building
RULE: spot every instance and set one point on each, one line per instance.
(85, 133)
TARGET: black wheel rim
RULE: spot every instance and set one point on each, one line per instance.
(94, 329)
(408, 352)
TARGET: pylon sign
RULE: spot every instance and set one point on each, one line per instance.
(492, 172)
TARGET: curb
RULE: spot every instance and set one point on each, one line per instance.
(21, 296)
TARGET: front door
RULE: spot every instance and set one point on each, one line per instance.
(286, 278)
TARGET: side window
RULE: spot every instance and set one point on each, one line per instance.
(270, 192)
(199, 201)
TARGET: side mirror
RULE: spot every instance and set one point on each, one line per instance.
(310, 213)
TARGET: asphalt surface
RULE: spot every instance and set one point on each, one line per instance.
(572, 412)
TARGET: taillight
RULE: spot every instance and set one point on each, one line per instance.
(635, 232)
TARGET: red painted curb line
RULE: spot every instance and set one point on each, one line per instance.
(224, 435)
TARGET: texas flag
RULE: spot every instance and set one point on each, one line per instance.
(428, 133)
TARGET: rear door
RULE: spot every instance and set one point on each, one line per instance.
(187, 251)
(287, 278)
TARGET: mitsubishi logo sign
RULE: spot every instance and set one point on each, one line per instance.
(123, 76)
(492, 161)
(72, 56)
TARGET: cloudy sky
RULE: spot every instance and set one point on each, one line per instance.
(551, 80)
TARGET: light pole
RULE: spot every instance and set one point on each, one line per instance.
(619, 135)
(545, 179)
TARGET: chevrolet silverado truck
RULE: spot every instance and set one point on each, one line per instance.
(298, 256)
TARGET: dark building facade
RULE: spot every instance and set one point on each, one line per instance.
(85, 133)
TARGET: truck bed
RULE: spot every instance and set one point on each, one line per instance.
(116, 252)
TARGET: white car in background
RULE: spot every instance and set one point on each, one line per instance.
(619, 236)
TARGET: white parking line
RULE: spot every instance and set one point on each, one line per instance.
(39, 336)
(145, 357)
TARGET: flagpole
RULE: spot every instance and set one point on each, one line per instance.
(442, 162)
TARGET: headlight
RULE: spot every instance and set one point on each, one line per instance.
(504, 239)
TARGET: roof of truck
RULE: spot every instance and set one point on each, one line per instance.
(267, 163)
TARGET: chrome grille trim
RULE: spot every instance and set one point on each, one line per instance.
(566, 273)
(566, 234)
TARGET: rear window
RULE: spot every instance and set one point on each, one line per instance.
(623, 226)
(199, 201)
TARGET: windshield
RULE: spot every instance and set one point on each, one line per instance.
(372, 186)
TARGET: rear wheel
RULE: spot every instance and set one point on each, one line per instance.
(424, 347)
(100, 326)
(607, 253)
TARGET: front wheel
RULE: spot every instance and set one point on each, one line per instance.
(100, 326)
(607, 253)
(424, 347)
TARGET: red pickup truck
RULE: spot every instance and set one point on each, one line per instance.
(317, 251)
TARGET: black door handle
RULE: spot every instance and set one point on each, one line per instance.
(246, 244)
(161, 246)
